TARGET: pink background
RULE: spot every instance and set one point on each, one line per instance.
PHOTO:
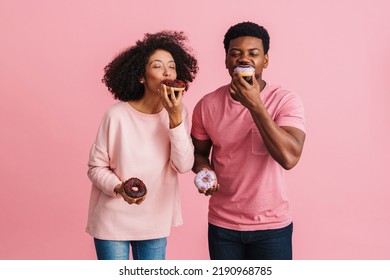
(335, 54)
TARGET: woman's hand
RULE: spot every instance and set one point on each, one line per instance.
(120, 190)
(172, 103)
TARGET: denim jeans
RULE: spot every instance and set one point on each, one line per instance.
(272, 244)
(153, 249)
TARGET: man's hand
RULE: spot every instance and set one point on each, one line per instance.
(248, 95)
(203, 180)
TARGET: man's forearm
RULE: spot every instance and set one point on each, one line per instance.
(200, 162)
(283, 144)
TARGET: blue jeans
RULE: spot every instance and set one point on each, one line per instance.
(153, 249)
(272, 244)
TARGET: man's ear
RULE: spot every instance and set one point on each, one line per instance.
(266, 61)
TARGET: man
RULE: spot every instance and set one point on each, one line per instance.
(256, 132)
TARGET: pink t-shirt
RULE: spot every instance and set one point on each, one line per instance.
(133, 144)
(252, 194)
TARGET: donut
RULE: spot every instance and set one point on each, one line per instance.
(245, 71)
(134, 188)
(177, 85)
(205, 179)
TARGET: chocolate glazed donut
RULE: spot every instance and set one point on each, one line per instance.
(134, 188)
(177, 85)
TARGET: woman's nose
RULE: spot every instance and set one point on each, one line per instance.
(167, 72)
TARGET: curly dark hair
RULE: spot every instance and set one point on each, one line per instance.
(247, 29)
(123, 73)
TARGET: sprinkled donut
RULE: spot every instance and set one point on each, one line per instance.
(177, 85)
(245, 71)
(205, 179)
(134, 188)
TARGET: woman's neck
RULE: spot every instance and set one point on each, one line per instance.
(148, 104)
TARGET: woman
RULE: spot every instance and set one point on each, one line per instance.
(145, 135)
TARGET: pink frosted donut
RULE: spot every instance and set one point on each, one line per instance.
(246, 71)
(205, 179)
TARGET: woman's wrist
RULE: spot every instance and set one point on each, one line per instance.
(174, 122)
(118, 189)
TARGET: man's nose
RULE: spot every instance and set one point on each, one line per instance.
(244, 59)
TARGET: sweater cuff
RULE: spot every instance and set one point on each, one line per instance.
(179, 132)
(110, 190)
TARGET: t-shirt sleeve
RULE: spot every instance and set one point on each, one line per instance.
(198, 130)
(291, 112)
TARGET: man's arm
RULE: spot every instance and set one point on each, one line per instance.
(202, 153)
(285, 144)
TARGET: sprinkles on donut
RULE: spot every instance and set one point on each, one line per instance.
(177, 85)
(205, 179)
(245, 71)
(135, 188)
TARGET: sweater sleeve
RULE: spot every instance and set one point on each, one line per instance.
(182, 149)
(99, 170)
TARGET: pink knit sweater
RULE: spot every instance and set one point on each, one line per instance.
(133, 144)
